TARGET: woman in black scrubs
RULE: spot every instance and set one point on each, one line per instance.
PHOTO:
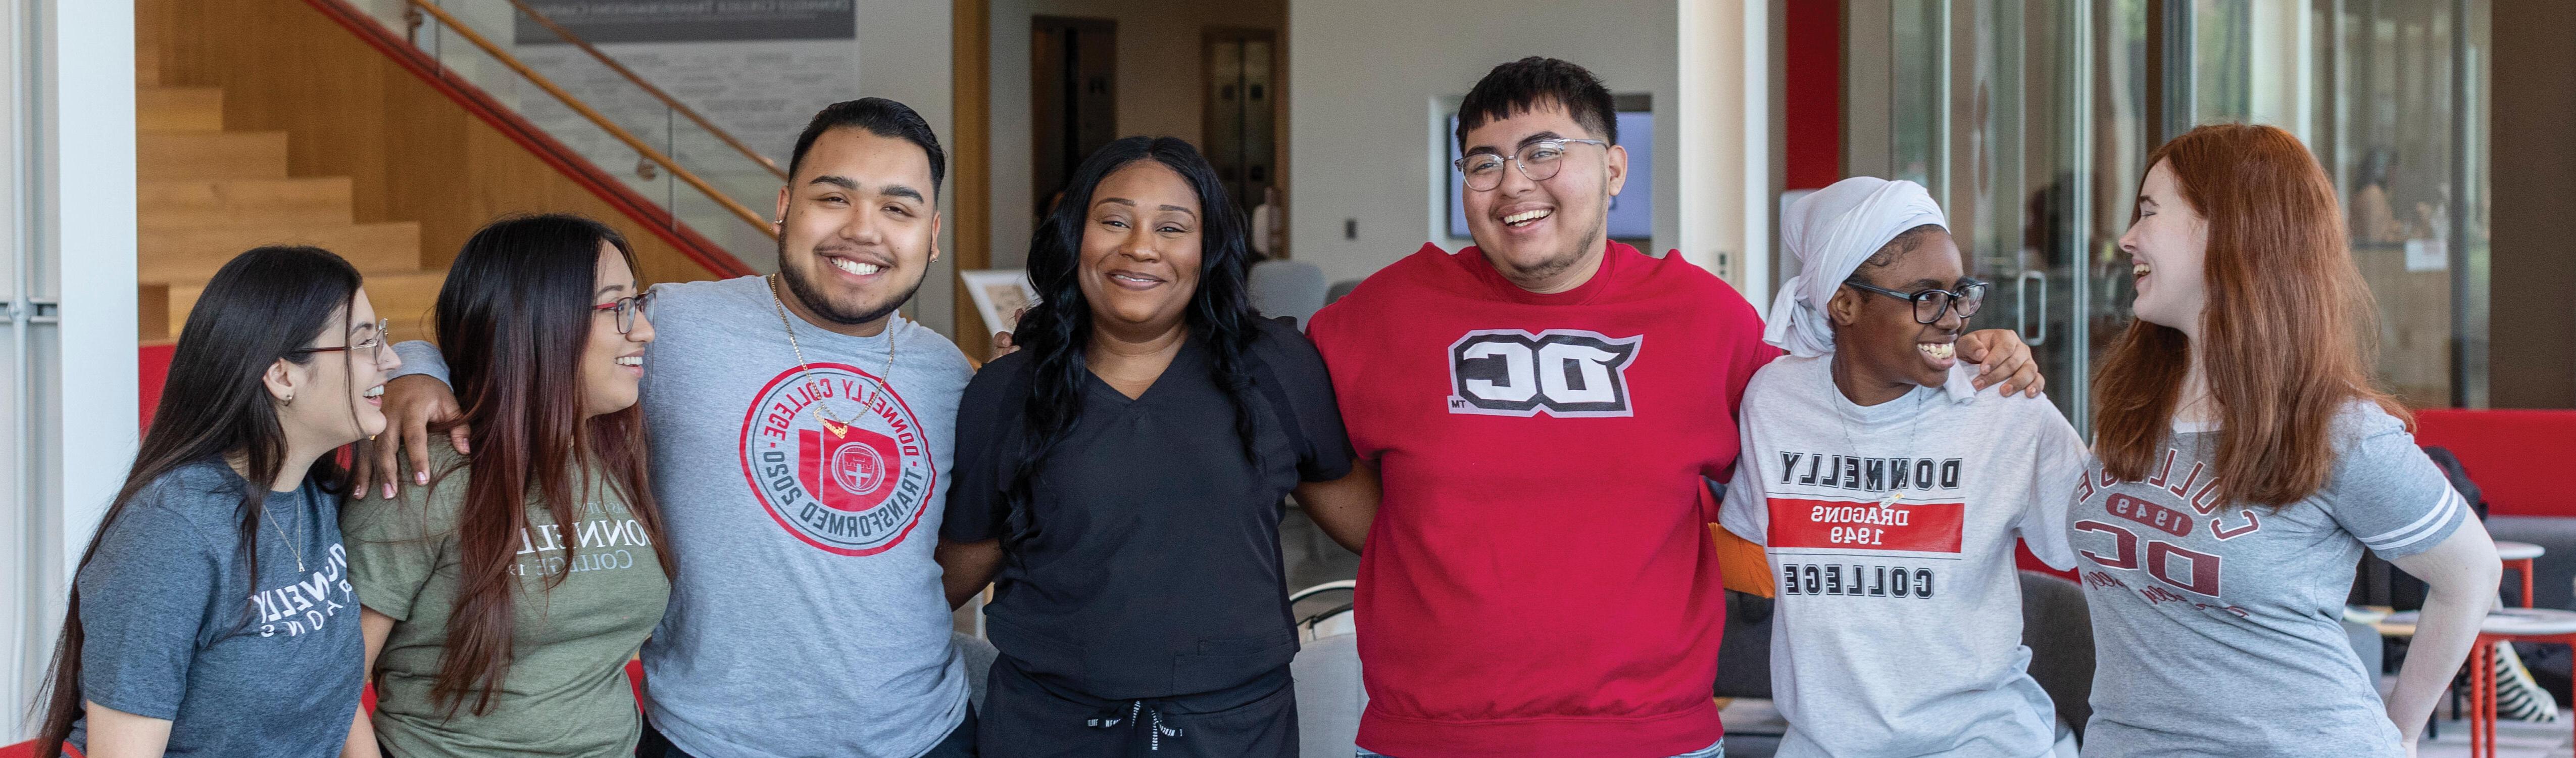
(1122, 473)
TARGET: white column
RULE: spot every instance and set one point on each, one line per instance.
(69, 129)
(2284, 68)
(1724, 119)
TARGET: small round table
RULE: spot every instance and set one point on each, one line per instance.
(2518, 557)
(2547, 625)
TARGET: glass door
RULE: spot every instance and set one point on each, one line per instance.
(2025, 119)
(2030, 121)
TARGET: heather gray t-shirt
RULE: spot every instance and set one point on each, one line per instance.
(177, 629)
(1891, 530)
(2217, 625)
(806, 614)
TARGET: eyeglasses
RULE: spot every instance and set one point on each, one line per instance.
(1929, 304)
(627, 308)
(1538, 160)
(373, 344)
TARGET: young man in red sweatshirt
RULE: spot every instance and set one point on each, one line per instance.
(1544, 408)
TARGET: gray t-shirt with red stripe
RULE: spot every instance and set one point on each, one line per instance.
(2217, 625)
(1891, 530)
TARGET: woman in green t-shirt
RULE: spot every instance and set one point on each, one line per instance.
(504, 598)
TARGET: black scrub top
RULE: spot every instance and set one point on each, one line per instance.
(1153, 569)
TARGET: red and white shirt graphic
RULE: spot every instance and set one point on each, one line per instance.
(837, 459)
(1890, 530)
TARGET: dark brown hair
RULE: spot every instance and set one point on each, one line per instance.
(513, 320)
(259, 306)
(1537, 82)
(2284, 328)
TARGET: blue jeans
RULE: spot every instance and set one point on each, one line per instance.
(1714, 750)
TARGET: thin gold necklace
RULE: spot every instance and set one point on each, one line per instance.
(264, 515)
(806, 369)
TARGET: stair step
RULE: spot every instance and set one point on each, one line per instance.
(179, 109)
(155, 315)
(315, 201)
(404, 298)
(194, 253)
(210, 155)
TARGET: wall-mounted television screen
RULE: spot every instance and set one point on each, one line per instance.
(1632, 211)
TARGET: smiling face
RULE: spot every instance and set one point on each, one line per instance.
(2168, 249)
(1141, 247)
(1878, 336)
(859, 228)
(1545, 236)
(612, 363)
(337, 397)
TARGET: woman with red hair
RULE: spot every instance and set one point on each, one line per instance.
(2243, 462)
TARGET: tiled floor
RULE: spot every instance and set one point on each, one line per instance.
(2513, 739)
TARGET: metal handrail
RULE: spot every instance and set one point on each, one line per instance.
(587, 112)
(648, 88)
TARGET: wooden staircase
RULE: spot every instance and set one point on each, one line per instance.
(205, 194)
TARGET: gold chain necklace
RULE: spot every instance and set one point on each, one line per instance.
(831, 422)
(264, 515)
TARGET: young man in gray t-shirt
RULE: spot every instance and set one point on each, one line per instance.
(801, 437)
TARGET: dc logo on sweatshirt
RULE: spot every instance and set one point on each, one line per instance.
(1566, 373)
(853, 481)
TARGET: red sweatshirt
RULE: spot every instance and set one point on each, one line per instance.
(1540, 579)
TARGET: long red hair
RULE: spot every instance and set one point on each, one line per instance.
(2286, 326)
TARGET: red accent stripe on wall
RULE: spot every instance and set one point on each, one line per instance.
(1812, 93)
(152, 369)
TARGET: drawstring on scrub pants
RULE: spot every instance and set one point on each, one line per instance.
(1137, 714)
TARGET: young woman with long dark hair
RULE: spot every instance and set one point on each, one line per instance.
(2244, 461)
(211, 614)
(1123, 472)
(503, 600)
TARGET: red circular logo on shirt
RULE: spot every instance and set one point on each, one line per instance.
(859, 469)
(851, 478)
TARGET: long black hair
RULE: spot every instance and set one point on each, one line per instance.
(259, 307)
(513, 320)
(1056, 330)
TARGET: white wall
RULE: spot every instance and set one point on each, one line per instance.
(67, 211)
(1159, 86)
(1363, 79)
(904, 56)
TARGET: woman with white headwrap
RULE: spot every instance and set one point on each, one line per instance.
(1888, 492)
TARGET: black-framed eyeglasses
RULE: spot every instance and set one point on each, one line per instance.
(627, 309)
(374, 344)
(1929, 304)
(1539, 160)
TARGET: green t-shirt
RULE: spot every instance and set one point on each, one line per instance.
(566, 693)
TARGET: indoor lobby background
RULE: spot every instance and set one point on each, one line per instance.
(150, 140)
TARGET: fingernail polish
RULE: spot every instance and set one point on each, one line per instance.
(420, 477)
(389, 490)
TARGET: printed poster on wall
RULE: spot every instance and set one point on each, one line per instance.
(757, 69)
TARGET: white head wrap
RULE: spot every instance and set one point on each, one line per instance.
(1832, 232)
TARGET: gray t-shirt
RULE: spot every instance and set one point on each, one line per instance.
(806, 614)
(2217, 625)
(175, 628)
(1891, 530)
